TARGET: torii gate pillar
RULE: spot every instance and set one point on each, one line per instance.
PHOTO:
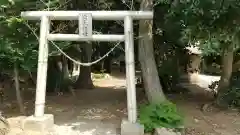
(43, 122)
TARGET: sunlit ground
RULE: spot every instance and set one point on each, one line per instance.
(99, 111)
(201, 82)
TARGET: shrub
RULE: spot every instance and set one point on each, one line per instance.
(160, 115)
(232, 97)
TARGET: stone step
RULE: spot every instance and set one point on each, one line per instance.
(82, 127)
(91, 127)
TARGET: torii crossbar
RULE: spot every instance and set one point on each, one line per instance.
(85, 34)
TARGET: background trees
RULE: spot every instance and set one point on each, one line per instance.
(212, 24)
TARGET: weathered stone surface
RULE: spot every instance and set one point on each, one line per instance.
(15, 122)
(128, 128)
(15, 131)
(164, 131)
(38, 124)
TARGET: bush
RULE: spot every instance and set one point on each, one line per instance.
(232, 97)
(160, 115)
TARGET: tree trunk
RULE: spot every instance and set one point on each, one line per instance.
(227, 63)
(70, 67)
(65, 69)
(54, 74)
(65, 75)
(17, 87)
(107, 65)
(151, 80)
(84, 79)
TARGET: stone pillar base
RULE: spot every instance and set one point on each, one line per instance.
(128, 128)
(38, 124)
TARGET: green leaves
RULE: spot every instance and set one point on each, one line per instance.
(18, 44)
(211, 22)
(3, 3)
(160, 115)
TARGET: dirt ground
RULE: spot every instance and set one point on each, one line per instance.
(99, 111)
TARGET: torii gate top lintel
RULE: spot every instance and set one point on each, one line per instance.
(96, 15)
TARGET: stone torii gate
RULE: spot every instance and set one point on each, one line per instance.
(45, 121)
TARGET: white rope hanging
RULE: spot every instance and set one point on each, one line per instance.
(73, 60)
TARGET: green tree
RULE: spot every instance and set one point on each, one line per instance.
(17, 45)
(215, 25)
(18, 42)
